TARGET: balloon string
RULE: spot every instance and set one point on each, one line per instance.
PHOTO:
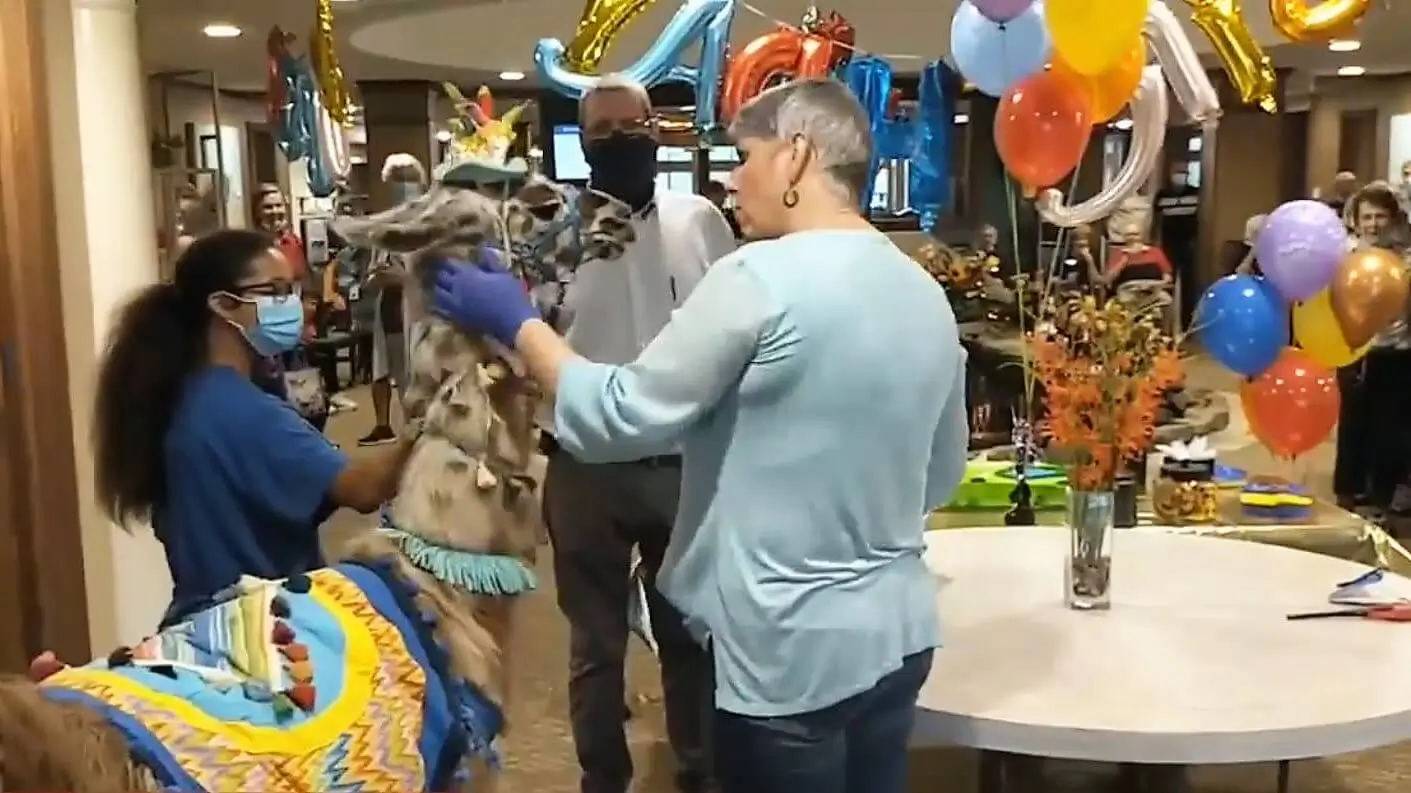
(852, 49)
(1024, 357)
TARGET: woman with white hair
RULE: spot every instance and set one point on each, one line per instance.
(814, 383)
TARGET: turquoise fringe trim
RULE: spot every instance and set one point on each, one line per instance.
(481, 573)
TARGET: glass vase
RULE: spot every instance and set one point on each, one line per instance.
(1087, 579)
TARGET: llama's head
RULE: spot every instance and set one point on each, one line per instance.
(547, 228)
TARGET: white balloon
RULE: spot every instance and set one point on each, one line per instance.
(1149, 113)
(1178, 59)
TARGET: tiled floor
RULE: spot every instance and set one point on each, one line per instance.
(538, 753)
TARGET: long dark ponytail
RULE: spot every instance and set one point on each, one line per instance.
(157, 340)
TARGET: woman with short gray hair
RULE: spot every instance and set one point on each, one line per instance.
(814, 383)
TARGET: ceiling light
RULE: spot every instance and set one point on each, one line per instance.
(1121, 123)
(444, 136)
(511, 75)
(221, 31)
(961, 118)
(1352, 71)
(1344, 45)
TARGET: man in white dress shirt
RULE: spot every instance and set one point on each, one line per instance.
(598, 513)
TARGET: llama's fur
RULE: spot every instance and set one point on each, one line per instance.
(466, 484)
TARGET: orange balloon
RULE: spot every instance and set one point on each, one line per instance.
(1369, 291)
(1042, 128)
(1293, 405)
(785, 51)
(1109, 92)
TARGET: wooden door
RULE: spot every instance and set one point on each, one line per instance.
(43, 599)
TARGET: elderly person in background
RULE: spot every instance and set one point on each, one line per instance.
(1344, 186)
(1246, 264)
(1374, 432)
(815, 384)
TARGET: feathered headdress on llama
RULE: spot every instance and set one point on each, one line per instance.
(480, 143)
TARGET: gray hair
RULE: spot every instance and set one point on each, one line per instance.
(616, 82)
(823, 112)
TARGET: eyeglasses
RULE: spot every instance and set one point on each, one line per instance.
(279, 290)
(607, 127)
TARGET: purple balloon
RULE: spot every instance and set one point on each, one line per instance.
(1001, 10)
(1300, 248)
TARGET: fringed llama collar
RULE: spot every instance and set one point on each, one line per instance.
(480, 573)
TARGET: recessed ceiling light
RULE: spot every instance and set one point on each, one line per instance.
(511, 75)
(444, 136)
(961, 118)
(1352, 71)
(1122, 123)
(1344, 45)
(221, 30)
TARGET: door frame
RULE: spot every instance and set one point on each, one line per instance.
(41, 547)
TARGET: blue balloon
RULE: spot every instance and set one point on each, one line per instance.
(704, 21)
(870, 79)
(929, 181)
(996, 55)
(1243, 323)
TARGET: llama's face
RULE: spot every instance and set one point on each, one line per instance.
(550, 228)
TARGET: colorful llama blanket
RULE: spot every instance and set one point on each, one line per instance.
(324, 682)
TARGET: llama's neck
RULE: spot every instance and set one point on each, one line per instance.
(472, 628)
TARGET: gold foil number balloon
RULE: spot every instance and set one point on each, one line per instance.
(1222, 21)
(1300, 22)
(597, 28)
(323, 56)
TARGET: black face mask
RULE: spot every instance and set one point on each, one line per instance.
(624, 167)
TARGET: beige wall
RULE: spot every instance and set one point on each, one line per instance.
(1389, 96)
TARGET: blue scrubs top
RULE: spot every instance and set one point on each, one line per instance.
(247, 487)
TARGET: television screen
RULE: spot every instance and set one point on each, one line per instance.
(569, 164)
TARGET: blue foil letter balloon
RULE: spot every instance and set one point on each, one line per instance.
(929, 183)
(704, 21)
(870, 79)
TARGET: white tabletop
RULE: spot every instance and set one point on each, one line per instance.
(1195, 663)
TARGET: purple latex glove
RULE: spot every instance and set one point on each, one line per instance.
(483, 297)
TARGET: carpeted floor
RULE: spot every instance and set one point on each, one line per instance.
(538, 752)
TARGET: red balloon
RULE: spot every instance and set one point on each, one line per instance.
(1042, 128)
(1293, 405)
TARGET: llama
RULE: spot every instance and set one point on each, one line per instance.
(385, 671)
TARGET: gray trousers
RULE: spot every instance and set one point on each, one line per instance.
(596, 516)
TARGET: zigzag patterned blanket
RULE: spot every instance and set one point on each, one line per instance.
(315, 683)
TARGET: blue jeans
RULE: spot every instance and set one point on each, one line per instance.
(855, 746)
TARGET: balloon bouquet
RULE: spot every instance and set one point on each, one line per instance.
(1340, 301)
(308, 104)
(820, 45)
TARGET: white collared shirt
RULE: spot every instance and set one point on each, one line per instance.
(613, 309)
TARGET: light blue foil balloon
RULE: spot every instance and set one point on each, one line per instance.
(870, 79)
(994, 55)
(704, 21)
(929, 181)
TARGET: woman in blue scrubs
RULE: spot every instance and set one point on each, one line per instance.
(232, 479)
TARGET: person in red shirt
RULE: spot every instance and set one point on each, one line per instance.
(1136, 260)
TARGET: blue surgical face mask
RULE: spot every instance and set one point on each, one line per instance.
(279, 324)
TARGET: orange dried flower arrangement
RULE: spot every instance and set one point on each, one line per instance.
(1104, 369)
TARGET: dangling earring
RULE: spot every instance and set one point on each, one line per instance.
(791, 198)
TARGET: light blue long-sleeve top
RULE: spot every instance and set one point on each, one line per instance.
(815, 384)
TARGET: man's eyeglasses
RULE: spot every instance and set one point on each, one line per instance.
(607, 127)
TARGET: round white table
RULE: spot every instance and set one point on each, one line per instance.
(1195, 663)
